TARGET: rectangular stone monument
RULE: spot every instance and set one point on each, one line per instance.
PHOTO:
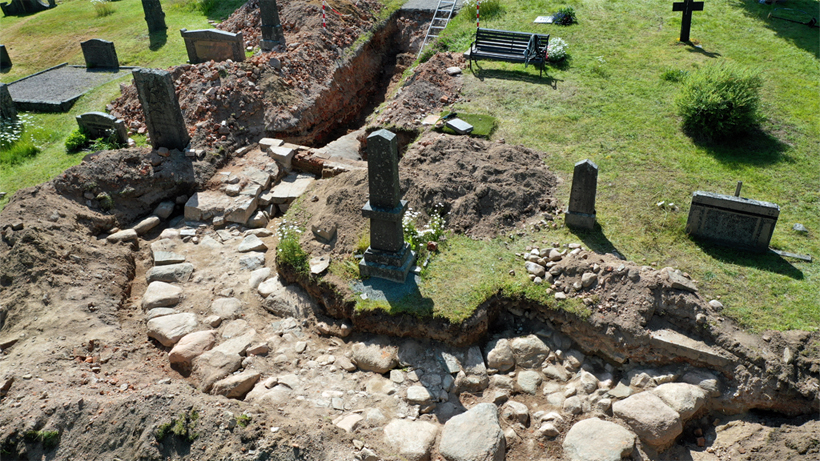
(732, 221)
(166, 126)
(213, 44)
(100, 54)
(272, 34)
(581, 210)
(388, 256)
(8, 110)
(5, 60)
(154, 16)
(102, 125)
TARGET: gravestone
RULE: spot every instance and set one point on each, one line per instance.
(581, 211)
(732, 220)
(7, 109)
(5, 60)
(102, 125)
(154, 16)
(272, 34)
(100, 54)
(207, 44)
(163, 117)
(388, 256)
(22, 7)
(687, 7)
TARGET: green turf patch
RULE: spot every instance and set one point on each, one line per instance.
(483, 125)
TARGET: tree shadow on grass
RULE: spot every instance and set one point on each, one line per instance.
(800, 35)
(596, 241)
(157, 40)
(767, 261)
(754, 147)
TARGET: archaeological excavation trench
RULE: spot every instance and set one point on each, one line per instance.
(141, 289)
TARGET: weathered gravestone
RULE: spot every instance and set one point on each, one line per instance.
(154, 16)
(7, 109)
(21, 7)
(163, 117)
(5, 60)
(687, 7)
(732, 220)
(388, 256)
(272, 35)
(100, 54)
(581, 210)
(207, 44)
(102, 125)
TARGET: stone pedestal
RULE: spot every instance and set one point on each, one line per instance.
(581, 210)
(272, 34)
(388, 256)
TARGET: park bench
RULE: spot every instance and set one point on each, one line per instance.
(509, 46)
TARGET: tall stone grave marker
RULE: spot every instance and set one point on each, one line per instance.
(166, 126)
(100, 54)
(8, 111)
(154, 16)
(5, 60)
(732, 221)
(272, 34)
(388, 256)
(207, 44)
(581, 210)
(102, 125)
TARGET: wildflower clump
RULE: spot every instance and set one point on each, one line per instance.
(289, 251)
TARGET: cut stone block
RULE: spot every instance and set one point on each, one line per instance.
(459, 126)
(291, 187)
(266, 143)
(283, 155)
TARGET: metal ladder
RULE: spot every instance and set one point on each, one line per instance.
(444, 11)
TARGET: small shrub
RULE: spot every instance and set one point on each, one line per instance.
(289, 251)
(76, 140)
(49, 439)
(103, 7)
(674, 75)
(566, 16)
(720, 100)
(557, 50)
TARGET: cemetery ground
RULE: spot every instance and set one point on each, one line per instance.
(111, 391)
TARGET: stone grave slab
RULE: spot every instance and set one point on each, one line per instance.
(163, 117)
(213, 44)
(732, 221)
(102, 125)
(57, 89)
(459, 126)
(291, 187)
(99, 54)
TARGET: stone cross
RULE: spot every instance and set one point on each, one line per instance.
(154, 16)
(687, 7)
(7, 109)
(388, 256)
(5, 60)
(99, 54)
(271, 27)
(581, 210)
(166, 126)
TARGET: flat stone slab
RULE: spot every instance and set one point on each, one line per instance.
(251, 243)
(291, 187)
(412, 439)
(164, 258)
(171, 273)
(58, 88)
(685, 346)
(169, 329)
(161, 294)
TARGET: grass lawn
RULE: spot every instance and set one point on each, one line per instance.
(608, 103)
(42, 40)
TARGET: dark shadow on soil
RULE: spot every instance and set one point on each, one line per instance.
(157, 40)
(520, 75)
(755, 147)
(768, 261)
(800, 35)
(596, 241)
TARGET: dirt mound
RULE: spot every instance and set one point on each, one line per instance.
(483, 188)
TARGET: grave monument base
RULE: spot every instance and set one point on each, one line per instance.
(389, 265)
(577, 220)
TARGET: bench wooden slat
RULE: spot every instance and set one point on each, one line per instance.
(509, 46)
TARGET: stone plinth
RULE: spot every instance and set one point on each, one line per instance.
(732, 221)
(166, 126)
(99, 54)
(581, 211)
(213, 44)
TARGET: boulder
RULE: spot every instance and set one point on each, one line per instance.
(251, 243)
(411, 440)
(515, 412)
(500, 355)
(653, 420)
(684, 398)
(474, 435)
(596, 440)
(192, 346)
(227, 308)
(376, 355)
(169, 329)
(142, 227)
(529, 380)
(529, 351)
(214, 365)
(161, 294)
(236, 386)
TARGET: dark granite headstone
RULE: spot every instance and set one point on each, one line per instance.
(272, 34)
(102, 125)
(154, 16)
(22, 7)
(207, 44)
(581, 211)
(388, 257)
(732, 221)
(7, 109)
(166, 126)
(100, 54)
(5, 60)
